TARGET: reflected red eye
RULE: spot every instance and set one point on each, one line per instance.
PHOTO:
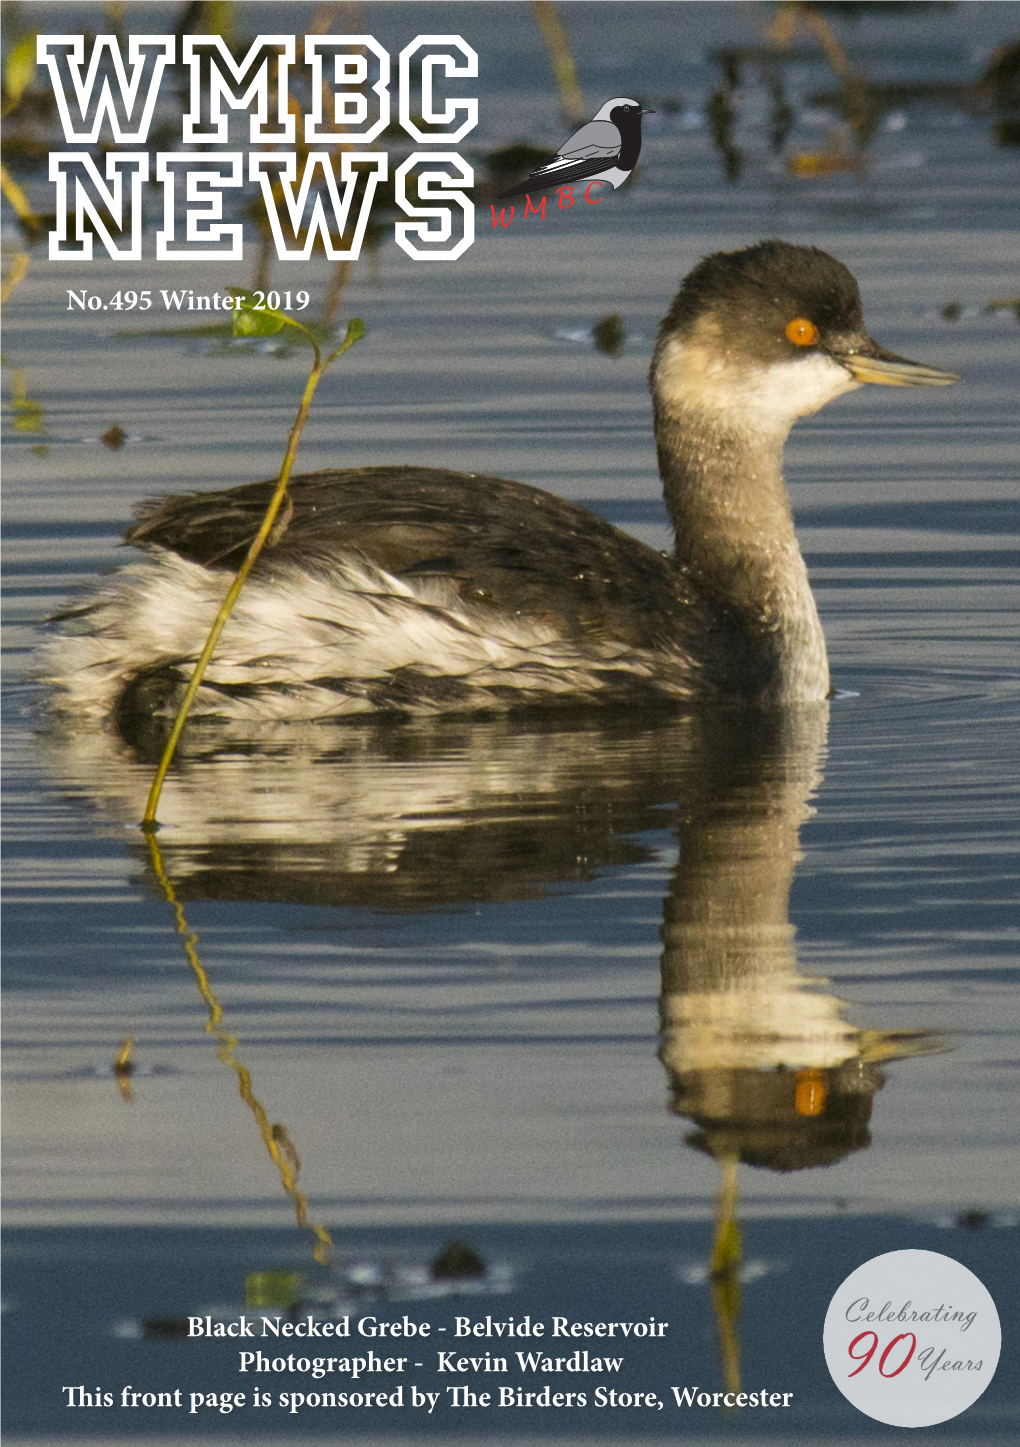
(802, 332)
(810, 1094)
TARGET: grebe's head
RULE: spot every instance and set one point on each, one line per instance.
(757, 338)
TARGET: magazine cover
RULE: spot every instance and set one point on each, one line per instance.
(511, 749)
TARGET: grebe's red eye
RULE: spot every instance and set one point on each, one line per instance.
(801, 332)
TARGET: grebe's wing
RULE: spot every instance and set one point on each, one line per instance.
(492, 543)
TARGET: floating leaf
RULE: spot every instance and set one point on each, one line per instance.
(1011, 303)
(821, 163)
(29, 415)
(457, 1261)
(272, 1288)
(609, 334)
(165, 1328)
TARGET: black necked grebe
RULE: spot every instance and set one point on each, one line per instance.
(416, 590)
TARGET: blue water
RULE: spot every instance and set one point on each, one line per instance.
(438, 949)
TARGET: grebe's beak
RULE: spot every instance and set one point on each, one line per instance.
(872, 363)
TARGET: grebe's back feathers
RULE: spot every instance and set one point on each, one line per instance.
(386, 589)
(502, 546)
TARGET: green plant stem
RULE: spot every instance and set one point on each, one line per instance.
(314, 377)
(275, 1138)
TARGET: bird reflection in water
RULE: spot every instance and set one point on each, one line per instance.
(760, 1059)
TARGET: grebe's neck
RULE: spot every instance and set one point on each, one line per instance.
(735, 540)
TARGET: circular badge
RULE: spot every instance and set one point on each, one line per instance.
(912, 1338)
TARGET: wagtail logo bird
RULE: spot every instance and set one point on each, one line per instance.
(606, 148)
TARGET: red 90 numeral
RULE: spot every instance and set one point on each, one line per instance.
(868, 1352)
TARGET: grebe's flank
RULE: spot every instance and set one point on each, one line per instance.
(413, 589)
